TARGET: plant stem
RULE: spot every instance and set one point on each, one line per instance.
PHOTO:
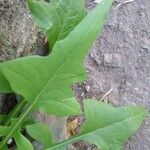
(15, 112)
(20, 120)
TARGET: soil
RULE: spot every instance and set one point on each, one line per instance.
(118, 64)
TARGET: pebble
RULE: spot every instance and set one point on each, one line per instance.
(82, 94)
(91, 55)
(112, 60)
(97, 1)
(9, 141)
(87, 88)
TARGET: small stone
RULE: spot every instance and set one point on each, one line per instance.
(112, 60)
(97, 1)
(136, 89)
(146, 45)
(87, 71)
(108, 58)
(80, 88)
(98, 61)
(91, 55)
(37, 145)
(128, 83)
(82, 94)
(87, 88)
(9, 141)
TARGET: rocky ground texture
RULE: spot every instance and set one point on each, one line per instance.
(118, 65)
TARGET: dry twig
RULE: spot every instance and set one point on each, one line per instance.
(123, 3)
(106, 94)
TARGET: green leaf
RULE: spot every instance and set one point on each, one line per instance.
(22, 142)
(8, 131)
(106, 126)
(5, 147)
(57, 18)
(70, 13)
(4, 84)
(68, 106)
(39, 79)
(49, 78)
(4, 130)
(41, 133)
(42, 13)
(113, 126)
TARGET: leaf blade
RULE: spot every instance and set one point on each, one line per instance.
(51, 77)
(122, 122)
(41, 133)
(4, 84)
(4, 130)
(62, 16)
(40, 12)
(22, 142)
(50, 107)
(70, 12)
(109, 134)
(57, 74)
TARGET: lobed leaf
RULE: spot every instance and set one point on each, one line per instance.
(45, 83)
(57, 18)
(69, 14)
(50, 78)
(113, 126)
(106, 126)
